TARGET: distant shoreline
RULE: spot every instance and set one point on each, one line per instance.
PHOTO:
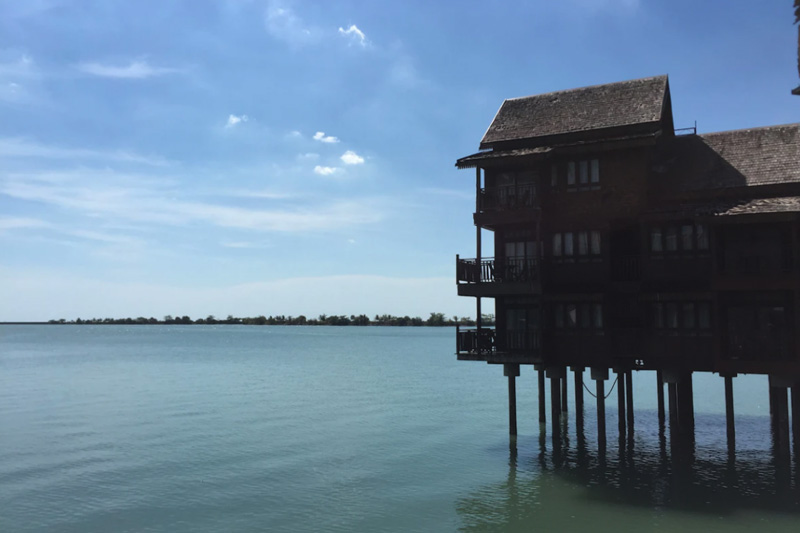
(435, 320)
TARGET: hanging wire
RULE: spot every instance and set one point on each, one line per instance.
(609, 390)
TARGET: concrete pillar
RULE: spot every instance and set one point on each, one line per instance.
(621, 401)
(629, 399)
(542, 406)
(672, 393)
(729, 420)
(600, 375)
(512, 371)
(564, 398)
(660, 391)
(685, 404)
(578, 391)
(779, 400)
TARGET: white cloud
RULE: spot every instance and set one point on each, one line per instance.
(283, 24)
(310, 156)
(321, 137)
(13, 147)
(354, 34)
(234, 120)
(326, 171)
(294, 134)
(116, 198)
(352, 158)
(135, 70)
(8, 223)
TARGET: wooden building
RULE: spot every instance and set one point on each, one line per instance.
(622, 244)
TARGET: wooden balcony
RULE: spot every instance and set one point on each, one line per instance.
(508, 204)
(496, 277)
(487, 344)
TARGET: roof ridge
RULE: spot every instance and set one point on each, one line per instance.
(562, 91)
(789, 124)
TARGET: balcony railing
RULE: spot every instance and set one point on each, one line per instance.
(488, 341)
(503, 270)
(507, 198)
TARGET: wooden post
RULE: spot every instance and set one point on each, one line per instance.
(564, 398)
(629, 390)
(672, 392)
(796, 423)
(621, 401)
(600, 375)
(512, 371)
(555, 407)
(729, 413)
(660, 390)
(578, 391)
(685, 404)
(781, 420)
(542, 406)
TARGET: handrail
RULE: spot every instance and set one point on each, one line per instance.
(507, 197)
(491, 341)
(502, 270)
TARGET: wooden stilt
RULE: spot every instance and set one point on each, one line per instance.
(781, 414)
(685, 404)
(542, 406)
(579, 392)
(555, 408)
(672, 391)
(601, 413)
(796, 423)
(729, 413)
(621, 401)
(512, 371)
(564, 398)
(629, 392)
(660, 391)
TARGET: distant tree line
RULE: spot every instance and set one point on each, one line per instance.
(436, 320)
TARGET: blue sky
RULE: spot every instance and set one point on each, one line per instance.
(255, 157)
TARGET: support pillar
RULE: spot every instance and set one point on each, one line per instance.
(600, 375)
(578, 391)
(672, 393)
(542, 406)
(512, 371)
(796, 423)
(779, 400)
(729, 420)
(660, 391)
(564, 398)
(621, 401)
(629, 391)
(685, 404)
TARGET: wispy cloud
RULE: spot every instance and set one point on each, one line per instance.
(354, 35)
(283, 24)
(233, 120)
(352, 158)
(17, 73)
(321, 137)
(14, 147)
(116, 198)
(326, 171)
(136, 70)
(9, 223)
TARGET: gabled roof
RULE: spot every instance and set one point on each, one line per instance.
(626, 103)
(739, 158)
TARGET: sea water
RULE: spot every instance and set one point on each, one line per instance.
(270, 428)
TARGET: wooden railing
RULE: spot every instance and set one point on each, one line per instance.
(508, 198)
(490, 270)
(626, 268)
(489, 341)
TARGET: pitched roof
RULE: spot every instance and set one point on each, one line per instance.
(739, 158)
(745, 206)
(625, 103)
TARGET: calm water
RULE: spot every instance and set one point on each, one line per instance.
(228, 428)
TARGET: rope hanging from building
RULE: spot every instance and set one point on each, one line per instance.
(609, 390)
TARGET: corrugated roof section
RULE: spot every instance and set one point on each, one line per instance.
(626, 103)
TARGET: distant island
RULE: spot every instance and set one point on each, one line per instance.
(434, 320)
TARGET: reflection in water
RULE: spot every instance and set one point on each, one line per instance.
(645, 479)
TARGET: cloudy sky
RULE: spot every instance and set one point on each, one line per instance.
(255, 157)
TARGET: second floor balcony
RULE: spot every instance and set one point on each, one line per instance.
(490, 276)
(488, 344)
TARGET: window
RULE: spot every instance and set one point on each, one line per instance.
(557, 245)
(553, 175)
(572, 317)
(584, 172)
(583, 243)
(681, 318)
(595, 243)
(656, 244)
(595, 176)
(683, 238)
(581, 175)
(568, 248)
(571, 173)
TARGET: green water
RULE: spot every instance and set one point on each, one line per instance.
(236, 428)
